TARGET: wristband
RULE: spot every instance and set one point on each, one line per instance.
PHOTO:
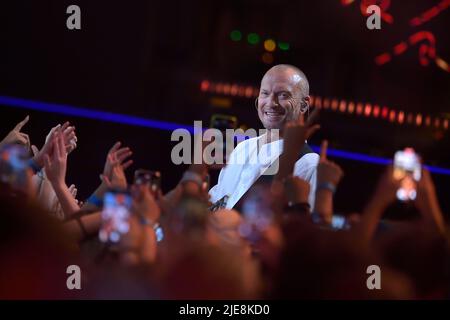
(327, 186)
(34, 166)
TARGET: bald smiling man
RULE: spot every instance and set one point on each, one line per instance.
(283, 96)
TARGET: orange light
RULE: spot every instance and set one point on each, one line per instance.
(342, 106)
(326, 103)
(446, 124)
(334, 104)
(419, 119)
(248, 92)
(311, 100)
(367, 109)
(359, 108)
(204, 86)
(427, 121)
(270, 45)
(376, 111)
(401, 117)
(241, 91)
(226, 89)
(234, 89)
(392, 116)
(318, 102)
(351, 107)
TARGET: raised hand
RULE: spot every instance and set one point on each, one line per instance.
(328, 171)
(56, 162)
(15, 136)
(114, 171)
(295, 133)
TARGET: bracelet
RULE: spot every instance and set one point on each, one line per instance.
(34, 166)
(193, 177)
(93, 199)
(327, 186)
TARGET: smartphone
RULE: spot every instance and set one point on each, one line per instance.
(115, 216)
(408, 170)
(150, 178)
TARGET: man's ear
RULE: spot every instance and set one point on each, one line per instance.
(304, 106)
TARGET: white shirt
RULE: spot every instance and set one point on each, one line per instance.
(246, 165)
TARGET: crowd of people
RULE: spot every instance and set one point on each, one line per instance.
(173, 246)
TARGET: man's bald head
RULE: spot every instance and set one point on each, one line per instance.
(283, 95)
(297, 75)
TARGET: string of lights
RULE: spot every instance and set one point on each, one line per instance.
(335, 105)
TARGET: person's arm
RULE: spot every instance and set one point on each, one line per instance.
(383, 196)
(428, 204)
(55, 168)
(329, 175)
(80, 227)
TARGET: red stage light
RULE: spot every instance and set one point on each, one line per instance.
(392, 116)
(401, 117)
(359, 108)
(326, 103)
(334, 104)
(376, 111)
(204, 86)
(384, 112)
(351, 107)
(234, 89)
(367, 109)
(419, 119)
(342, 106)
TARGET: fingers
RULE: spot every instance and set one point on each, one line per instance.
(120, 158)
(35, 150)
(73, 191)
(115, 147)
(20, 125)
(65, 126)
(127, 164)
(323, 150)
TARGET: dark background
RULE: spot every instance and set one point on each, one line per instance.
(148, 58)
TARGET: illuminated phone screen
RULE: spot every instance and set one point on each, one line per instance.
(407, 169)
(115, 216)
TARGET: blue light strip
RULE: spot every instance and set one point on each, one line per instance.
(162, 125)
(91, 114)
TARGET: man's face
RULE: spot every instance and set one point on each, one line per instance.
(279, 98)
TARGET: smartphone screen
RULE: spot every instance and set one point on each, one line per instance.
(407, 169)
(115, 216)
(147, 177)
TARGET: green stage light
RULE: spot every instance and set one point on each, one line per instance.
(236, 35)
(283, 46)
(253, 38)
